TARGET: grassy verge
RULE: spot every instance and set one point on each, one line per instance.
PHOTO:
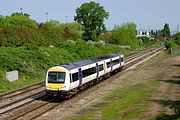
(7, 86)
(123, 103)
(130, 99)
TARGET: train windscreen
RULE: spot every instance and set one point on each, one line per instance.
(56, 77)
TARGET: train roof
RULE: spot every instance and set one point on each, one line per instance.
(74, 65)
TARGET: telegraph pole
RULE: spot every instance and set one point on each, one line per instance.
(21, 9)
(177, 27)
(66, 19)
(46, 16)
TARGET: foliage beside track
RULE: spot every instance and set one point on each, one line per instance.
(33, 61)
(32, 48)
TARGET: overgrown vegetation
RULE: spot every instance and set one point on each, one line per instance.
(18, 30)
(125, 35)
(169, 44)
(32, 61)
(177, 38)
(31, 47)
(147, 41)
(172, 42)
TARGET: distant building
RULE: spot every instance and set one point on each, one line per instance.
(143, 34)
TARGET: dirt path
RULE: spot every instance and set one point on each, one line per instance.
(168, 92)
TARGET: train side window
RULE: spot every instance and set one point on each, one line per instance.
(115, 62)
(108, 64)
(101, 67)
(89, 71)
(122, 59)
(75, 77)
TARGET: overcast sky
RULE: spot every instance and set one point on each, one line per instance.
(146, 14)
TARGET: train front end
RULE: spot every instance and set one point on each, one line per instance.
(57, 81)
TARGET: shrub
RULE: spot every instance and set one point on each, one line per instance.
(146, 41)
(125, 35)
(18, 29)
(169, 44)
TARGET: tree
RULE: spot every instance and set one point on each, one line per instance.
(166, 30)
(57, 31)
(91, 16)
(177, 35)
(177, 38)
(125, 35)
(20, 14)
(18, 20)
(152, 32)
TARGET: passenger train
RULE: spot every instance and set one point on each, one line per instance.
(67, 79)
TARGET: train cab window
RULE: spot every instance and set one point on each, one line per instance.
(56, 77)
(101, 67)
(108, 64)
(75, 77)
(89, 71)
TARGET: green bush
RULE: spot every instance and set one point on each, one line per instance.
(146, 41)
(16, 37)
(177, 41)
(18, 20)
(125, 35)
(176, 116)
(33, 61)
(18, 30)
(169, 44)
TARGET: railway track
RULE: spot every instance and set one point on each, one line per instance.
(20, 96)
(138, 54)
(130, 62)
(20, 91)
(37, 104)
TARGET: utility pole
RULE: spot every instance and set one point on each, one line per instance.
(21, 9)
(177, 27)
(46, 16)
(66, 19)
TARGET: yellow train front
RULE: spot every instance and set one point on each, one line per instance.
(57, 81)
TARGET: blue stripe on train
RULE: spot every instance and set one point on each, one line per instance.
(97, 70)
(80, 76)
(111, 64)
